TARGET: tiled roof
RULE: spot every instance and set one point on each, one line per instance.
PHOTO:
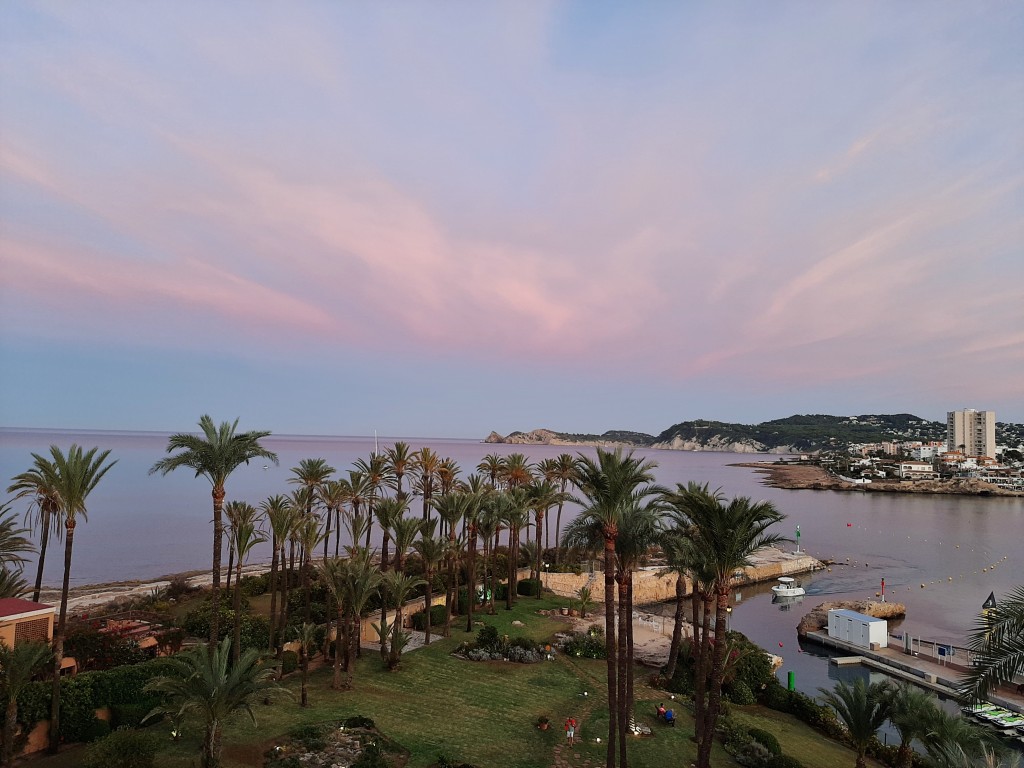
(13, 606)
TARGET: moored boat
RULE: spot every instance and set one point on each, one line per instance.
(787, 587)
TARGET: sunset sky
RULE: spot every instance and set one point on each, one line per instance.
(439, 219)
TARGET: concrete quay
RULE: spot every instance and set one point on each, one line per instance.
(942, 677)
(651, 585)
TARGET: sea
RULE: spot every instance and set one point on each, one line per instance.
(940, 555)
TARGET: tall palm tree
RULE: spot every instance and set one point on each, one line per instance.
(679, 558)
(515, 514)
(364, 579)
(43, 514)
(542, 496)
(214, 455)
(202, 680)
(237, 513)
(487, 522)
(404, 530)
(516, 471)
(491, 467)
(306, 636)
(431, 551)
(451, 508)
(447, 476)
(400, 461)
(281, 518)
(727, 535)
(376, 474)
(387, 511)
(334, 494)
(609, 486)
(309, 536)
(563, 469)
(73, 477)
(862, 708)
(334, 574)
(17, 668)
(245, 538)
(425, 464)
(397, 585)
(997, 647)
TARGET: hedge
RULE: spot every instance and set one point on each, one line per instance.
(437, 617)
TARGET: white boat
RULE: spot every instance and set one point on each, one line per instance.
(787, 587)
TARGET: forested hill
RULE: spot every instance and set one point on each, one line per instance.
(811, 432)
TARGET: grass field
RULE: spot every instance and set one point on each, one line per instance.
(483, 713)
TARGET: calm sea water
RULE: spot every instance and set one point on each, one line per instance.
(144, 526)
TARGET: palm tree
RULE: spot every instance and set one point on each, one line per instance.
(431, 551)
(400, 461)
(487, 522)
(542, 496)
(679, 557)
(11, 583)
(334, 494)
(515, 514)
(46, 518)
(564, 469)
(280, 518)
(516, 471)
(306, 636)
(215, 455)
(609, 485)
(997, 647)
(491, 467)
(451, 508)
(12, 543)
(387, 511)
(726, 536)
(309, 536)
(425, 464)
(862, 708)
(447, 476)
(376, 474)
(237, 513)
(203, 680)
(72, 477)
(17, 668)
(953, 742)
(404, 531)
(397, 585)
(912, 712)
(245, 537)
(334, 574)
(364, 579)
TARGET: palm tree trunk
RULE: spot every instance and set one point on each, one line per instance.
(629, 648)
(448, 597)
(512, 562)
(471, 577)
(429, 600)
(338, 644)
(327, 533)
(58, 636)
(610, 647)
(211, 745)
(218, 542)
(677, 627)
(715, 687)
(306, 567)
(699, 648)
(623, 620)
(558, 531)
(273, 593)
(231, 566)
(540, 520)
(10, 723)
(44, 539)
(236, 640)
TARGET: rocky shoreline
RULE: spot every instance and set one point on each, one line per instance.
(811, 477)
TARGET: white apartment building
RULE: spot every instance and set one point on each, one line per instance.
(974, 430)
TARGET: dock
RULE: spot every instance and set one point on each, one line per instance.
(943, 678)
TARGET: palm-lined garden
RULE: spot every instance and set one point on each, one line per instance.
(464, 543)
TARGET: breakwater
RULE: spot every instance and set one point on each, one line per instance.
(652, 585)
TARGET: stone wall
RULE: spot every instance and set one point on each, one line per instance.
(651, 586)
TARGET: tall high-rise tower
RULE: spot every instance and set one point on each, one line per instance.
(974, 430)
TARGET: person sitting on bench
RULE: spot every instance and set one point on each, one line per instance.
(670, 717)
(661, 711)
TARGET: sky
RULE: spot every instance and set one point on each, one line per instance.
(442, 219)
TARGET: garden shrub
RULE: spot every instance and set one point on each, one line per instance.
(529, 587)
(123, 748)
(740, 693)
(179, 588)
(765, 739)
(131, 715)
(253, 586)
(96, 729)
(753, 667)
(289, 662)
(487, 637)
(358, 721)
(77, 710)
(584, 645)
(372, 757)
(437, 617)
(753, 755)
(95, 650)
(784, 761)
(501, 591)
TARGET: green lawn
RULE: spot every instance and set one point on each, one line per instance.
(483, 713)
